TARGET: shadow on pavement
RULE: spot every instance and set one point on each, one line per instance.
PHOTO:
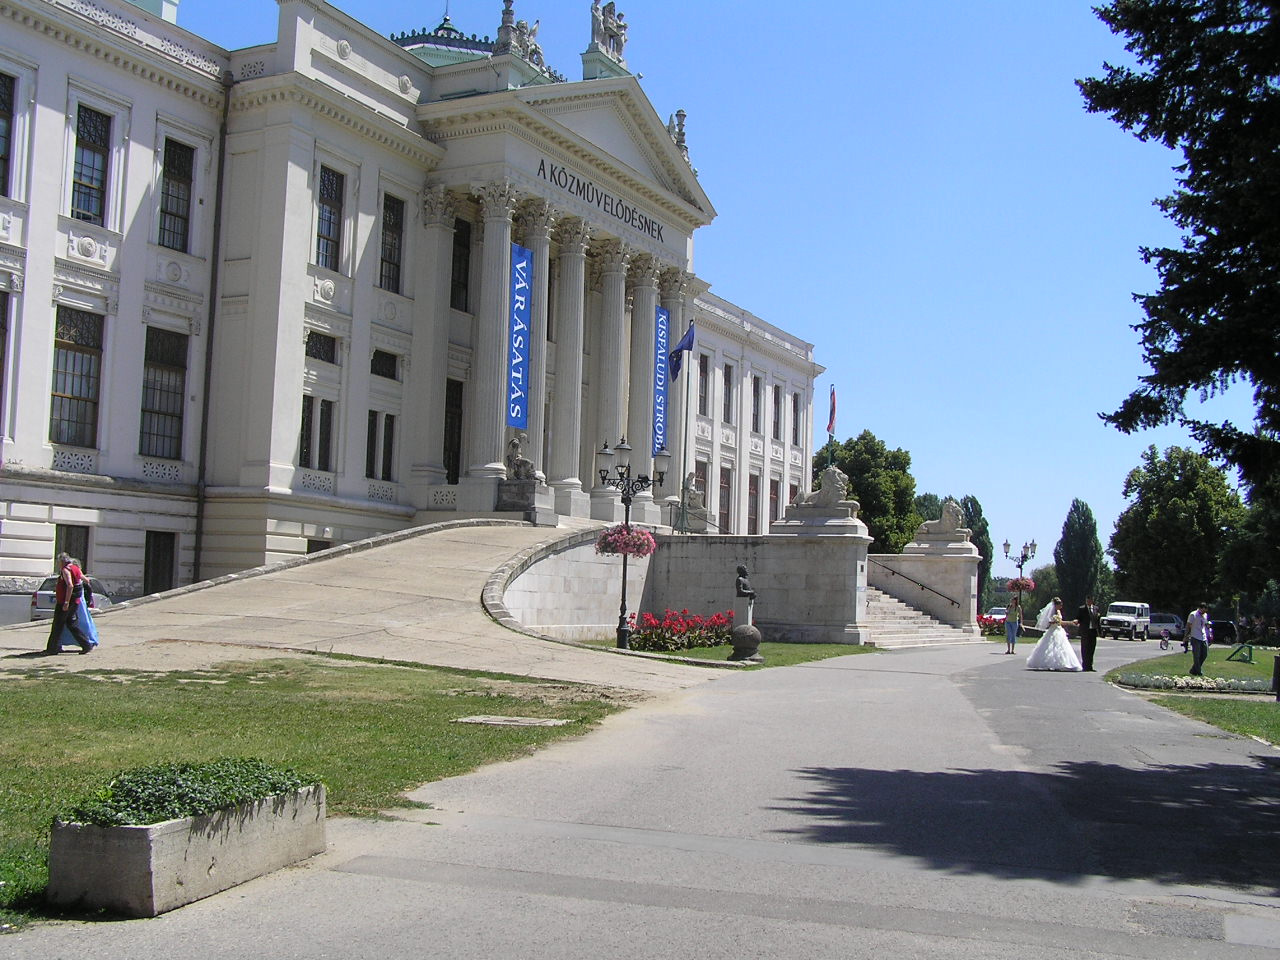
(1214, 824)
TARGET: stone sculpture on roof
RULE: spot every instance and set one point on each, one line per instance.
(608, 29)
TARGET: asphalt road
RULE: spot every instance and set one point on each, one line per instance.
(938, 802)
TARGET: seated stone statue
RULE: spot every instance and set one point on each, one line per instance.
(834, 489)
(519, 467)
(693, 496)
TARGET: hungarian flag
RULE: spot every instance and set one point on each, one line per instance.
(675, 358)
(831, 420)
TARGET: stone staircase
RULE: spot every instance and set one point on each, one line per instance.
(892, 624)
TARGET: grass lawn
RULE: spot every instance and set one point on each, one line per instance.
(775, 654)
(368, 732)
(1217, 665)
(1254, 717)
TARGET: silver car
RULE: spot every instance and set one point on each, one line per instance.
(42, 600)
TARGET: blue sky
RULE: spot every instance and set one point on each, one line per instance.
(915, 188)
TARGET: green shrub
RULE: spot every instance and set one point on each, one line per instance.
(169, 791)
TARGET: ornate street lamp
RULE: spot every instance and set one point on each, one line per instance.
(619, 477)
(1028, 551)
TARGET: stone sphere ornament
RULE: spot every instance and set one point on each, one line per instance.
(746, 643)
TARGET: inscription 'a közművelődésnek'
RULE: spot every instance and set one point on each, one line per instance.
(589, 193)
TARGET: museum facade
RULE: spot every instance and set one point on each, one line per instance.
(259, 302)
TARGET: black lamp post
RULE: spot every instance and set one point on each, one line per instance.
(620, 479)
(1028, 551)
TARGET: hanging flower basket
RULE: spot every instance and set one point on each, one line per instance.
(1025, 584)
(633, 541)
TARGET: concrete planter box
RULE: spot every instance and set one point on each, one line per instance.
(146, 870)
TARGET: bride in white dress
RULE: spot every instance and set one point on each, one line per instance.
(1054, 651)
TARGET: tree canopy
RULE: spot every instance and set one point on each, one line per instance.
(1078, 556)
(1207, 83)
(1169, 540)
(880, 480)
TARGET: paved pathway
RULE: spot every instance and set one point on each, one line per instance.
(415, 598)
(938, 802)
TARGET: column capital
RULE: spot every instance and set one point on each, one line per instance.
(644, 271)
(574, 235)
(439, 205)
(536, 219)
(497, 200)
(674, 282)
(614, 255)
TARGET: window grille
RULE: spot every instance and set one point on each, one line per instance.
(329, 224)
(392, 243)
(89, 174)
(175, 195)
(164, 384)
(77, 374)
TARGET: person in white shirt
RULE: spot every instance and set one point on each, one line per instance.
(1198, 635)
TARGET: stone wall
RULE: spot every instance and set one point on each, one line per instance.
(808, 589)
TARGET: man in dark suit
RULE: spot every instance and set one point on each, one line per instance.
(1089, 620)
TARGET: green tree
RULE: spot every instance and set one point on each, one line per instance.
(980, 538)
(929, 506)
(1207, 83)
(1251, 559)
(880, 480)
(1046, 579)
(1169, 541)
(1078, 555)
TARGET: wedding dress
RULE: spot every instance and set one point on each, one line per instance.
(1054, 651)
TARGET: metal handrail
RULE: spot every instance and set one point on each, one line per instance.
(922, 586)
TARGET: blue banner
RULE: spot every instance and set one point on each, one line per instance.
(662, 344)
(518, 338)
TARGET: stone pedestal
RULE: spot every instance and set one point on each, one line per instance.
(743, 611)
(529, 498)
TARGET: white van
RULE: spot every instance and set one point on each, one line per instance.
(1126, 618)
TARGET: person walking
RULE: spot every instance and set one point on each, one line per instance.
(1012, 625)
(1087, 617)
(1198, 636)
(68, 596)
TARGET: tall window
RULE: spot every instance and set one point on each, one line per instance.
(700, 478)
(379, 456)
(757, 400)
(175, 195)
(777, 412)
(727, 413)
(726, 495)
(775, 491)
(329, 223)
(753, 503)
(392, 243)
(77, 376)
(460, 278)
(7, 87)
(158, 561)
(73, 541)
(89, 175)
(164, 383)
(315, 445)
(704, 365)
(795, 419)
(4, 342)
(793, 492)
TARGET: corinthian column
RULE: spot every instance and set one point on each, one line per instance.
(611, 379)
(644, 304)
(535, 224)
(428, 374)
(484, 449)
(566, 402)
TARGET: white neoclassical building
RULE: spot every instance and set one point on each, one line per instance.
(258, 302)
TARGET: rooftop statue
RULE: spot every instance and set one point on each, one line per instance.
(608, 28)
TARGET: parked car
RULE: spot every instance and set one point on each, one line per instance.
(42, 598)
(1126, 618)
(998, 614)
(1223, 631)
(1161, 622)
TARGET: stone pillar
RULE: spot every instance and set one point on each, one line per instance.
(485, 442)
(427, 375)
(566, 402)
(644, 277)
(611, 368)
(673, 281)
(536, 222)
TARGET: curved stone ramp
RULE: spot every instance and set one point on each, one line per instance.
(413, 595)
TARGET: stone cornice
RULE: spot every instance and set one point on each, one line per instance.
(519, 119)
(312, 95)
(129, 56)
